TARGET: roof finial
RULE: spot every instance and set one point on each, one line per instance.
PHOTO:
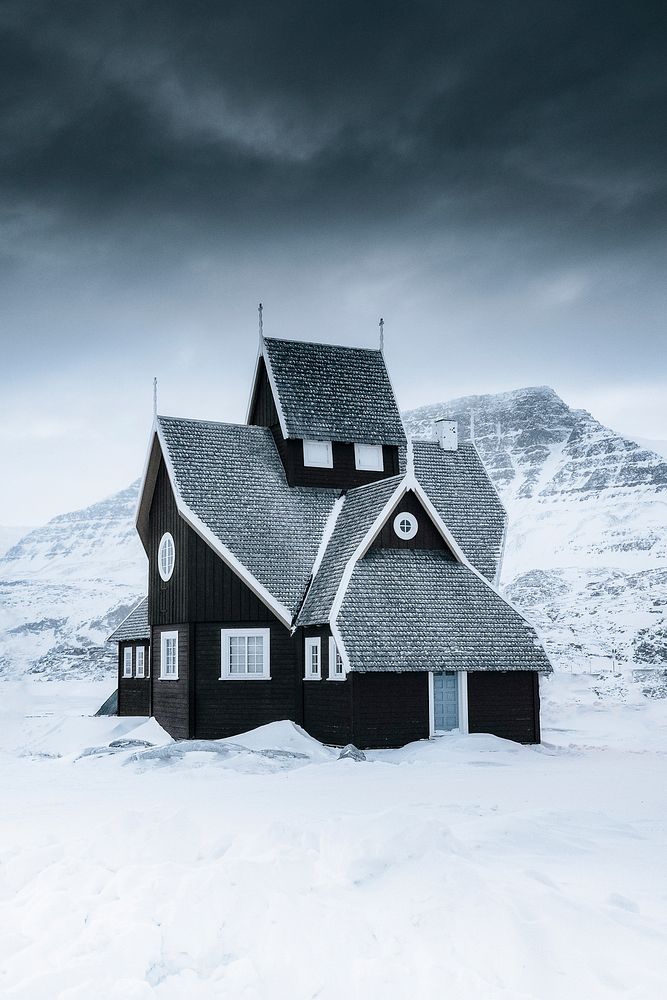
(260, 310)
(155, 396)
(472, 426)
(381, 325)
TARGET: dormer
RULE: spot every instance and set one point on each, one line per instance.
(332, 412)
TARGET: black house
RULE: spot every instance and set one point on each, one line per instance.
(313, 565)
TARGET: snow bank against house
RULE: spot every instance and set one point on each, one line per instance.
(263, 867)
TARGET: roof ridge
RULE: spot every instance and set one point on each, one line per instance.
(378, 482)
(319, 343)
(213, 423)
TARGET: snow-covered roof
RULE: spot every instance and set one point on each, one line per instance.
(135, 626)
(331, 392)
(418, 610)
(229, 480)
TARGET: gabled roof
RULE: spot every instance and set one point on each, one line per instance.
(330, 392)
(230, 486)
(361, 506)
(135, 626)
(460, 489)
(417, 610)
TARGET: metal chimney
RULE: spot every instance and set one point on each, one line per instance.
(447, 433)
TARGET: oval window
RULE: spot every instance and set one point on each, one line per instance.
(405, 525)
(166, 556)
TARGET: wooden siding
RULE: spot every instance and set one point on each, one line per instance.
(171, 698)
(506, 704)
(327, 705)
(427, 537)
(389, 709)
(134, 693)
(229, 707)
(215, 592)
(344, 474)
(168, 601)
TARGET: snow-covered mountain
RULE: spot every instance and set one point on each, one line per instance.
(64, 586)
(9, 535)
(586, 553)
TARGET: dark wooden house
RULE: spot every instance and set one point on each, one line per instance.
(311, 564)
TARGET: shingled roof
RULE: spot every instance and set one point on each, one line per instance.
(416, 610)
(333, 393)
(135, 626)
(360, 508)
(231, 478)
(458, 486)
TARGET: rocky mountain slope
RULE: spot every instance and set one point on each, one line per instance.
(586, 553)
(64, 586)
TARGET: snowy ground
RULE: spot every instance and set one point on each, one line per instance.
(465, 868)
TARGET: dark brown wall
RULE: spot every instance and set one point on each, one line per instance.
(390, 709)
(229, 707)
(506, 704)
(134, 693)
(216, 593)
(168, 602)
(327, 705)
(343, 475)
(171, 701)
(427, 537)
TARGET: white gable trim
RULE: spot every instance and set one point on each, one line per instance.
(326, 535)
(195, 522)
(410, 482)
(262, 353)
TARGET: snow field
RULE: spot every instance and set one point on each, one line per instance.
(467, 867)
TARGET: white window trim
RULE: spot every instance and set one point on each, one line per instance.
(374, 466)
(163, 642)
(313, 642)
(414, 526)
(137, 650)
(127, 673)
(333, 649)
(317, 465)
(229, 633)
(166, 537)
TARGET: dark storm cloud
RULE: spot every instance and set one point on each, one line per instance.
(546, 117)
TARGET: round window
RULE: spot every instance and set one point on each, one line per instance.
(166, 556)
(405, 525)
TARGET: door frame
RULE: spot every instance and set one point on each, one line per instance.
(462, 696)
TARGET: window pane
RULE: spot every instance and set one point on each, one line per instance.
(255, 654)
(237, 654)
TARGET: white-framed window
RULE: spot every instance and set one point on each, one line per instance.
(169, 656)
(140, 661)
(245, 654)
(368, 457)
(405, 525)
(127, 661)
(336, 665)
(166, 556)
(318, 454)
(313, 669)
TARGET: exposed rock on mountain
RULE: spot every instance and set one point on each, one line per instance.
(64, 587)
(586, 553)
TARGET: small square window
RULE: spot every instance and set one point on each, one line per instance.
(318, 454)
(245, 654)
(369, 457)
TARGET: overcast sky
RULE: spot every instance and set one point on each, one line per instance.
(488, 177)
